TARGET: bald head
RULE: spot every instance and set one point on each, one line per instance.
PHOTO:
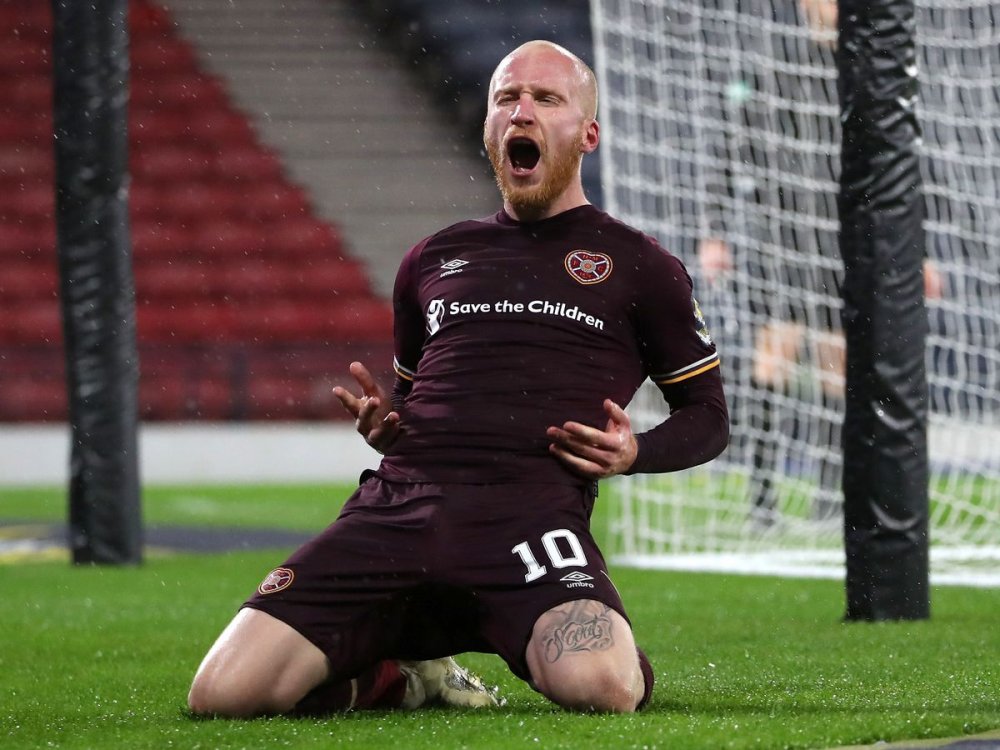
(583, 77)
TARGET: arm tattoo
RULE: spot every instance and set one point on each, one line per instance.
(579, 630)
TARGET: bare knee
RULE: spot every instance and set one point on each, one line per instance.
(211, 694)
(582, 656)
(600, 690)
(232, 696)
(258, 665)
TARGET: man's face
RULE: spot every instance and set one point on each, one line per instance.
(538, 126)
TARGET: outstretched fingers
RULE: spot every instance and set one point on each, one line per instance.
(373, 416)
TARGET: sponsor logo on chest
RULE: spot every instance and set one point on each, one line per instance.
(439, 309)
(583, 266)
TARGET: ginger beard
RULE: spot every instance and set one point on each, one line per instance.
(561, 168)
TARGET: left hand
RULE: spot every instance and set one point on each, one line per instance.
(593, 453)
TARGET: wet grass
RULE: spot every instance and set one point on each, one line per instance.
(102, 657)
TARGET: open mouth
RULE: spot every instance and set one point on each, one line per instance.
(523, 154)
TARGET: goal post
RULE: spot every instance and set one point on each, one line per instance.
(721, 137)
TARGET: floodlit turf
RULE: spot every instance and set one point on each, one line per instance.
(302, 507)
(102, 657)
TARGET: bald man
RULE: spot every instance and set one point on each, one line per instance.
(519, 339)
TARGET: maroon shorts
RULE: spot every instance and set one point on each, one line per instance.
(420, 571)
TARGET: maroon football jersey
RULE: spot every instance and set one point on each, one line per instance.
(503, 329)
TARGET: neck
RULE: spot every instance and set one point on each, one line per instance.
(570, 199)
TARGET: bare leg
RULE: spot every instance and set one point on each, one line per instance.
(258, 665)
(582, 656)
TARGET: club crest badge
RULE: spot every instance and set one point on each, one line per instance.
(277, 580)
(587, 267)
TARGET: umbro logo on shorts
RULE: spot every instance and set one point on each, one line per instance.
(278, 579)
(576, 579)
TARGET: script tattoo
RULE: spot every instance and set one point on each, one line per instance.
(579, 631)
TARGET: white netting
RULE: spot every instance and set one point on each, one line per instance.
(721, 138)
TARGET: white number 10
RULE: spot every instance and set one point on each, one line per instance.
(550, 541)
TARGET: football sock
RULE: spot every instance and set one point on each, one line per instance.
(382, 686)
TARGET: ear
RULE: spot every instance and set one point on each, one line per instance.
(591, 137)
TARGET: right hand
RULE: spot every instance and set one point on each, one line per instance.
(373, 416)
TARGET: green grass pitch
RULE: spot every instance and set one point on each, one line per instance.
(98, 657)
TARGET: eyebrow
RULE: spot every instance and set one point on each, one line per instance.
(536, 92)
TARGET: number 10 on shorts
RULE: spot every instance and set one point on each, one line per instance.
(553, 550)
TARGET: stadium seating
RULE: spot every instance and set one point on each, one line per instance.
(247, 303)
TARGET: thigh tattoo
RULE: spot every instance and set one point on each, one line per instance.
(578, 627)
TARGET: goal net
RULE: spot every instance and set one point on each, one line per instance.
(721, 138)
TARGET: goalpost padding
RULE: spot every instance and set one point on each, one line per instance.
(90, 67)
(721, 120)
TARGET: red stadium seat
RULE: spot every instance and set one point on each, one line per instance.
(163, 398)
(304, 236)
(25, 14)
(225, 240)
(360, 320)
(148, 18)
(171, 281)
(252, 280)
(186, 323)
(269, 200)
(223, 127)
(144, 201)
(152, 55)
(21, 162)
(31, 202)
(169, 163)
(271, 397)
(290, 321)
(33, 400)
(196, 202)
(212, 399)
(28, 281)
(153, 240)
(25, 241)
(34, 128)
(182, 91)
(19, 57)
(148, 127)
(283, 321)
(318, 277)
(26, 92)
(247, 163)
(31, 323)
(182, 397)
